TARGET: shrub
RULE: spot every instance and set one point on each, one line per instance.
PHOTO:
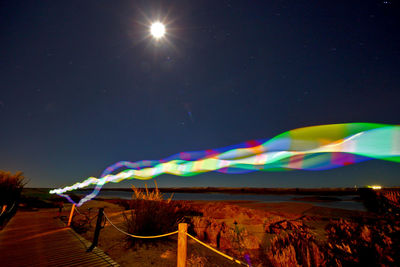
(151, 215)
(11, 186)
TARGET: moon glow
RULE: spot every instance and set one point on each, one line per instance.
(157, 30)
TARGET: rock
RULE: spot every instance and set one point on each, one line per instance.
(221, 236)
(213, 233)
(200, 225)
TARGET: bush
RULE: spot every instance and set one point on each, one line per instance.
(11, 186)
(151, 215)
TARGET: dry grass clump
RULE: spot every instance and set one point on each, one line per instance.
(151, 215)
(154, 195)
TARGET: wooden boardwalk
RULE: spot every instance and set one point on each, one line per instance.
(40, 239)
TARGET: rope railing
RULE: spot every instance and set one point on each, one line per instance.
(181, 233)
(137, 236)
(217, 251)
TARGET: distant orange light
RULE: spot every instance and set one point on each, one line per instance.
(375, 187)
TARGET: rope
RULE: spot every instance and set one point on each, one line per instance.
(76, 208)
(117, 213)
(217, 251)
(137, 236)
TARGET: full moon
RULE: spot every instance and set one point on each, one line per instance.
(157, 29)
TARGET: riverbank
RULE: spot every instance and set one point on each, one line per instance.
(254, 221)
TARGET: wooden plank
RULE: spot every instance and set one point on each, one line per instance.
(38, 239)
(92, 262)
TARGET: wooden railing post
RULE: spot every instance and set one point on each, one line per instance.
(182, 245)
(70, 215)
(97, 230)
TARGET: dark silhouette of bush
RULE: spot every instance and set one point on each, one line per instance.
(11, 186)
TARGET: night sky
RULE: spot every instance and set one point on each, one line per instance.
(83, 85)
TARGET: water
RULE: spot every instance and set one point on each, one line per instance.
(346, 202)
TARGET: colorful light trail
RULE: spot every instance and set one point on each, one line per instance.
(310, 148)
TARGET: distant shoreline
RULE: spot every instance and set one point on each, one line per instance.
(250, 190)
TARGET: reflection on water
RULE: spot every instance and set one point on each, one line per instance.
(346, 202)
